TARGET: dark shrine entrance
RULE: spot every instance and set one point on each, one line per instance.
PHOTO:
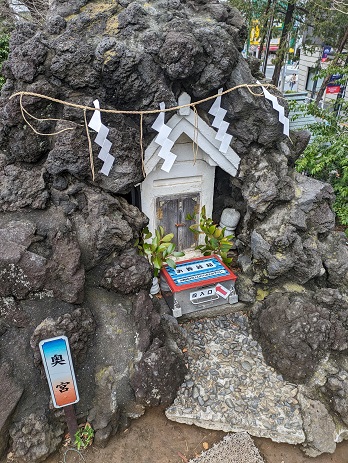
(171, 212)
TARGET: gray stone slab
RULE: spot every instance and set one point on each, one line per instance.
(230, 387)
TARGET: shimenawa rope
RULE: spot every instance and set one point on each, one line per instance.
(26, 115)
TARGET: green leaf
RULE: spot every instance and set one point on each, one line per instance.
(214, 243)
(168, 237)
(178, 254)
(194, 231)
(171, 263)
(171, 247)
(155, 243)
(217, 233)
(157, 262)
(203, 213)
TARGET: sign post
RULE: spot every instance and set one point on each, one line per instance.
(56, 358)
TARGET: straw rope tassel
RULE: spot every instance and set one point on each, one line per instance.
(141, 144)
(89, 145)
(195, 146)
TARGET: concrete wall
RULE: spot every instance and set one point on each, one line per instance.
(306, 62)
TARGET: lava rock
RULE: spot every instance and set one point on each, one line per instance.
(26, 58)
(336, 390)
(105, 414)
(66, 275)
(105, 225)
(296, 330)
(73, 231)
(21, 188)
(128, 274)
(34, 438)
(334, 253)
(146, 319)
(153, 380)
(245, 289)
(78, 326)
(8, 403)
(319, 427)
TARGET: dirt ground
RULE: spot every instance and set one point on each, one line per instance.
(154, 439)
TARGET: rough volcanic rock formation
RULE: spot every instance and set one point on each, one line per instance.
(66, 265)
(128, 271)
(77, 325)
(316, 324)
(8, 403)
(34, 438)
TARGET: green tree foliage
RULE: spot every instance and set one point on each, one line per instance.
(326, 157)
(317, 21)
(4, 50)
(251, 9)
(255, 10)
(327, 23)
(284, 40)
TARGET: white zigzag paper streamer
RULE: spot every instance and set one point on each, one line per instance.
(220, 124)
(101, 139)
(163, 140)
(280, 109)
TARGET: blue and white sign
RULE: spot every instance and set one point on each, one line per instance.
(56, 358)
(197, 271)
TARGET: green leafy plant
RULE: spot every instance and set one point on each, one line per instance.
(158, 248)
(215, 241)
(326, 157)
(4, 50)
(84, 436)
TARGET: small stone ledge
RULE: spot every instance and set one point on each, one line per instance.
(216, 311)
(224, 309)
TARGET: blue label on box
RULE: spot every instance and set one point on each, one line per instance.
(197, 271)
